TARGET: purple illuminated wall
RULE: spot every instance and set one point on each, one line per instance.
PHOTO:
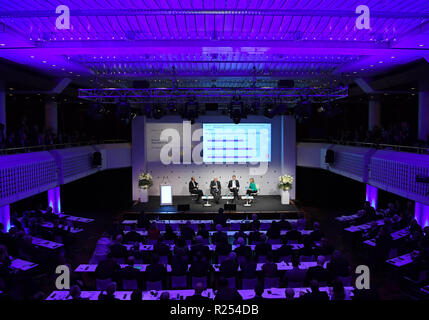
(421, 214)
(54, 200)
(5, 217)
(371, 195)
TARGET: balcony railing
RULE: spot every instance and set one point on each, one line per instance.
(58, 146)
(378, 146)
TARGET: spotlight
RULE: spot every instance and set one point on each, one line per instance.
(158, 112)
(269, 111)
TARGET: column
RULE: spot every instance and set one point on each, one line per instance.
(371, 195)
(421, 214)
(288, 150)
(3, 106)
(423, 118)
(51, 116)
(54, 199)
(138, 153)
(5, 217)
(374, 113)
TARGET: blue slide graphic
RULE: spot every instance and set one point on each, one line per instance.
(227, 142)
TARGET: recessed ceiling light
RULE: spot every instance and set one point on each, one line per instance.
(2, 44)
(421, 45)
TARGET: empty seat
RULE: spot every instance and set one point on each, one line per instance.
(102, 284)
(271, 282)
(231, 282)
(306, 258)
(179, 282)
(249, 283)
(153, 285)
(195, 280)
(347, 281)
(129, 284)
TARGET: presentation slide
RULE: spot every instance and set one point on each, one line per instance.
(227, 142)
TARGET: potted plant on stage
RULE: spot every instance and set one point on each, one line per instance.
(285, 184)
(145, 182)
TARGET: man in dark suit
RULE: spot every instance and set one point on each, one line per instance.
(259, 290)
(200, 267)
(318, 272)
(229, 267)
(219, 235)
(200, 247)
(132, 235)
(262, 248)
(226, 293)
(215, 190)
(143, 220)
(234, 186)
(339, 266)
(242, 250)
(198, 295)
(117, 249)
(129, 272)
(155, 271)
(220, 218)
(107, 268)
(194, 189)
(315, 294)
(187, 232)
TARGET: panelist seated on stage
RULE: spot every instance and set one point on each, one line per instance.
(233, 186)
(194, 189)
(252, 188)
(215, 189)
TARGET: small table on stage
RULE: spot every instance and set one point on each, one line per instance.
(247, 198)
(227, 198)
(207, 198)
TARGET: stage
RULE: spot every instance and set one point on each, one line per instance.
(264, 206)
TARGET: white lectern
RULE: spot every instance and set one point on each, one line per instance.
(166, 195)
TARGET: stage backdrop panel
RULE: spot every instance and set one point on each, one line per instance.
(185, 158)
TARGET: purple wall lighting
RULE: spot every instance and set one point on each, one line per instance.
(54, 200)
(421, 214)
(371, 195)
(5, 217)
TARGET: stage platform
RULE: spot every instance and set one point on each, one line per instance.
(265, 206)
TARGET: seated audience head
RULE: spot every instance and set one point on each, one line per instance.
(164, 296)
(240, 241)
(75, 292)
(316, 226)
(218, 227)
(320, 260)
(131, 260)
(290, 293)
(254, 217)
(118, 238)
(137, 295)
(155, 259)
(220, 211)
(232, 255)
(111, 288)
(314, 285)
(198, 239)
(199, 288)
